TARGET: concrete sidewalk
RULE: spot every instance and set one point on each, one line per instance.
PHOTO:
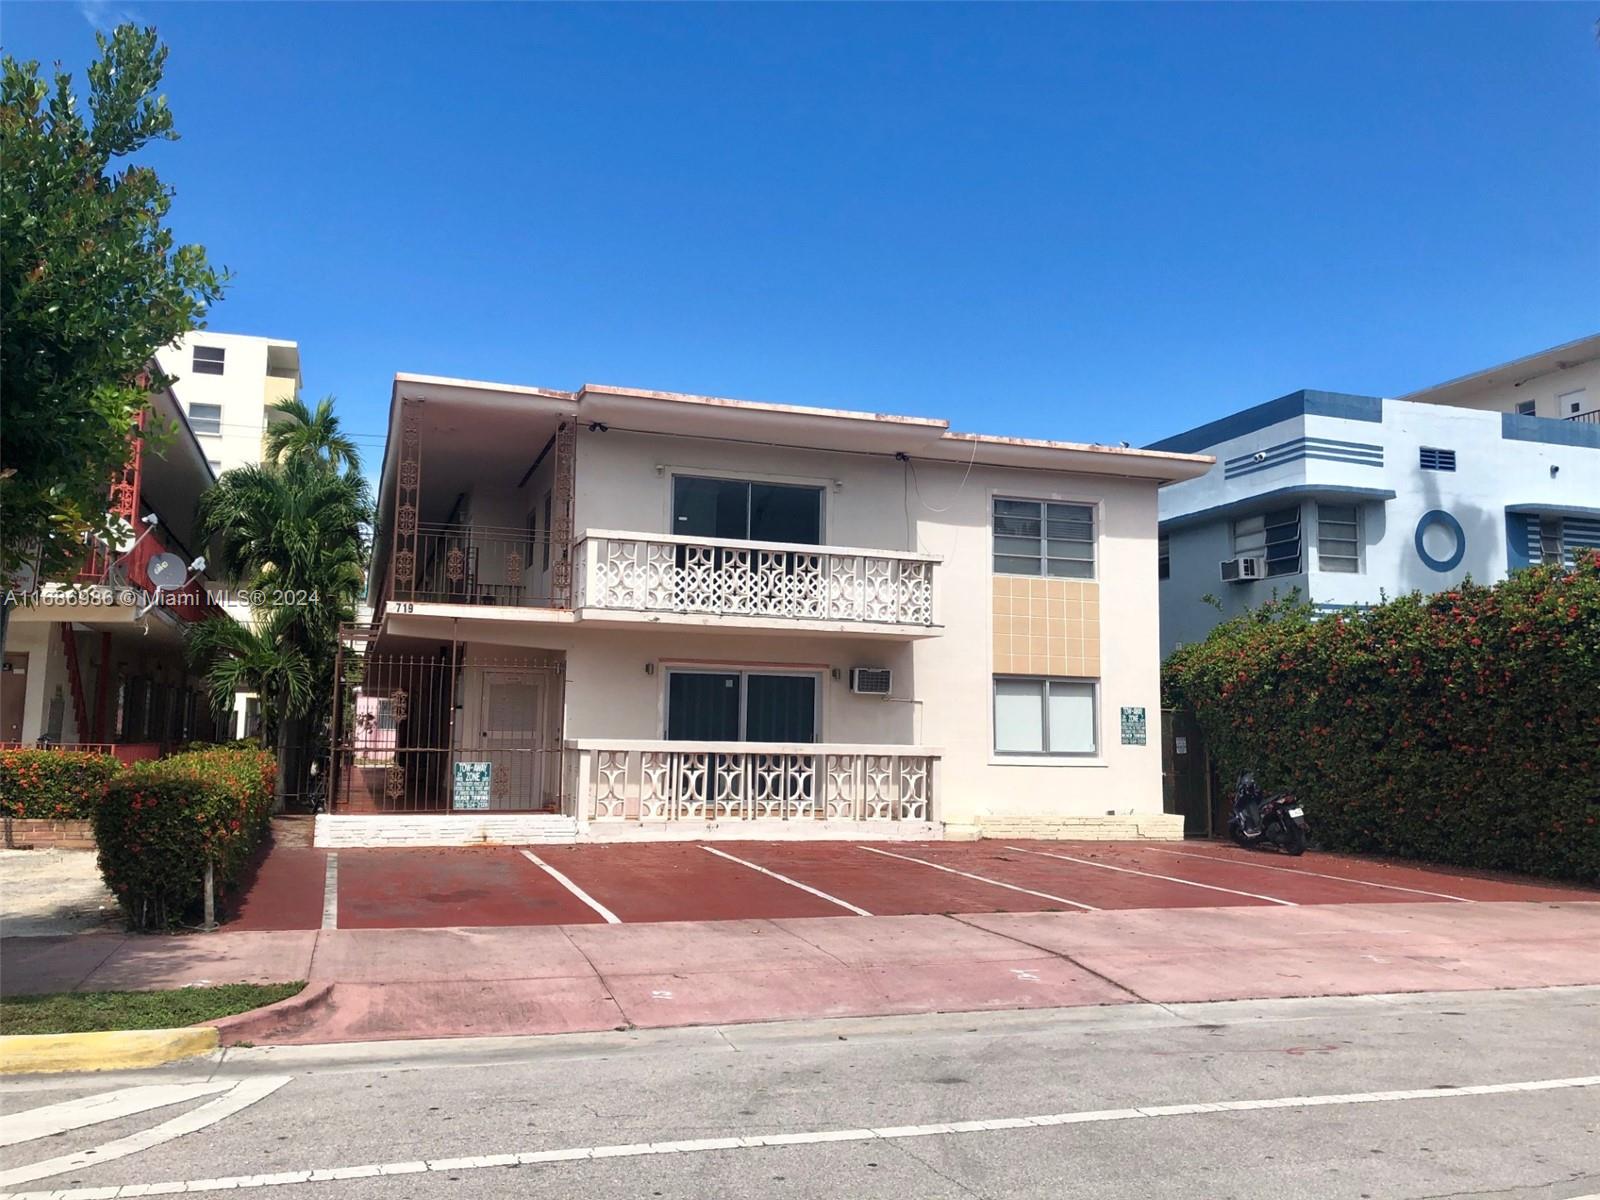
(555, 979)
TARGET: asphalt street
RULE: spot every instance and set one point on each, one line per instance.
(1450, 1094)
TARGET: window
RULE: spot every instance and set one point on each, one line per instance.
(746, 511)
(1034, 537)
(1570, 404)
(1434, 459)
(206, 419)
(215, 464)
(208, 360)
(1339, 538)
(1043, 716)
(1276, 535)
(1526, 408)
(1163, 557)
(1550, 540)
(741, 706)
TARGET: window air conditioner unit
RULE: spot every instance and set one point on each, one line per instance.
(1243, 570)
(870, 681)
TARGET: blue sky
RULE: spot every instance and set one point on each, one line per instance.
(1089, 223)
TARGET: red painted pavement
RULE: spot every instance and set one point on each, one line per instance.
(282, 889)
(679, 881)
(430, 889)
(1468, 885)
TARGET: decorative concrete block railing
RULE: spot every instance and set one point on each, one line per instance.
(665, 573)
(661, 781)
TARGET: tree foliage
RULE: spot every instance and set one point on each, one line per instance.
(1462, 727)
(92, 283)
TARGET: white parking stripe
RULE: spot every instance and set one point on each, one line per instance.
(105, 1106)
(811, 1138)
(1210, 887)
(1393, 887)
(330, 894)
(860, 912)
(241, 1096)
(1010, 887)
(609, 917)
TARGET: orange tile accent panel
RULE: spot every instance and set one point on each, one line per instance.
(1045, 626)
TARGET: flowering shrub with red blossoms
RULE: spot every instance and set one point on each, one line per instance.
(53, 785)
(1461, 727)
(161, 821)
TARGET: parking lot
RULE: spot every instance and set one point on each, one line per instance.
(627, 883)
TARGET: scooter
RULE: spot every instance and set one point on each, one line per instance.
(1261, 820)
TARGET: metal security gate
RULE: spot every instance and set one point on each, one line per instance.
(443, 734)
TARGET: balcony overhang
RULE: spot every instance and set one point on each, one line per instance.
(1283, 495)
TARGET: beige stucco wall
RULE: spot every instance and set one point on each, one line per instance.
(942, 684)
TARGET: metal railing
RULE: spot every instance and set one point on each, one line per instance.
(1592, 417)
(477, 564)
(666, 573)
(661, 781)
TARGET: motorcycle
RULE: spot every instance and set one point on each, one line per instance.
(1259, 820)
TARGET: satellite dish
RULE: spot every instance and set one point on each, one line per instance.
(23, 578)
(167, 572)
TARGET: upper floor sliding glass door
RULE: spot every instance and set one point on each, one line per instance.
(746, 510)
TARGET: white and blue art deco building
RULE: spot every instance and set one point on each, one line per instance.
(1352, 498)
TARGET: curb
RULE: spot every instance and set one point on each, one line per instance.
(260, 1023)
(111, 1050)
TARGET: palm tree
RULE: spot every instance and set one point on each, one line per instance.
(244, 658)
(315, 433)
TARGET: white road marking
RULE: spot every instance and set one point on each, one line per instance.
(1010, 887)
(1393, 887)
(106, 1106)
(239, 1097)
(606, 914)
(812, 1138)
(330, 894)
(860, 912)
(1210, 887)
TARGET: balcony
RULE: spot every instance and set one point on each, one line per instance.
(659, 782)
(649, 579)
(477, 565)
(1592, 417)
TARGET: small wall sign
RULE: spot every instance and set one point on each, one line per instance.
(1180, 745)
(1133, 726)
(471, 788)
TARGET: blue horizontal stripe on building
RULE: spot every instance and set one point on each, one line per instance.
(1327, 449)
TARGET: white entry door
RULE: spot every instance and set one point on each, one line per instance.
(513, 735)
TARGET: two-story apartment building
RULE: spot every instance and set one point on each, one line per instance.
(1352, 498)
(618, 613)
(97, 660)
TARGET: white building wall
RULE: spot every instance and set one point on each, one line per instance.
(244, 390)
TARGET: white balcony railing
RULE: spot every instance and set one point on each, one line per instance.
(665, 573)
(661, 781)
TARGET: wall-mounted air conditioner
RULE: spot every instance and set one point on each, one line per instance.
(870, 681)
(1243, 570)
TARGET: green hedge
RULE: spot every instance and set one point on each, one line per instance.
(160, 822)
(1462, 727)
(53, 785)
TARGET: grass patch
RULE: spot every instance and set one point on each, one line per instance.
(88, 1012)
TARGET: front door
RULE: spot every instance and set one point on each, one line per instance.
(13, 695)
(512, 735)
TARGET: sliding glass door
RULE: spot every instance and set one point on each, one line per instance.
(746, 511)
(741, 706)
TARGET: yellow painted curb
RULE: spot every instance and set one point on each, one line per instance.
(41, 1053)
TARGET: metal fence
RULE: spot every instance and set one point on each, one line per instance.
(438, 734)
(478, 564)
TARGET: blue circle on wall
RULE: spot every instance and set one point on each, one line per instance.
(1443, 519)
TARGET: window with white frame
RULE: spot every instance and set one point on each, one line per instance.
(206, 419)
(1040, 537)
(1274, 536)
(208, 360)
(1163, 557)
(215, 464)
(1044, 716)
(1339, 538)
(1527, 408)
